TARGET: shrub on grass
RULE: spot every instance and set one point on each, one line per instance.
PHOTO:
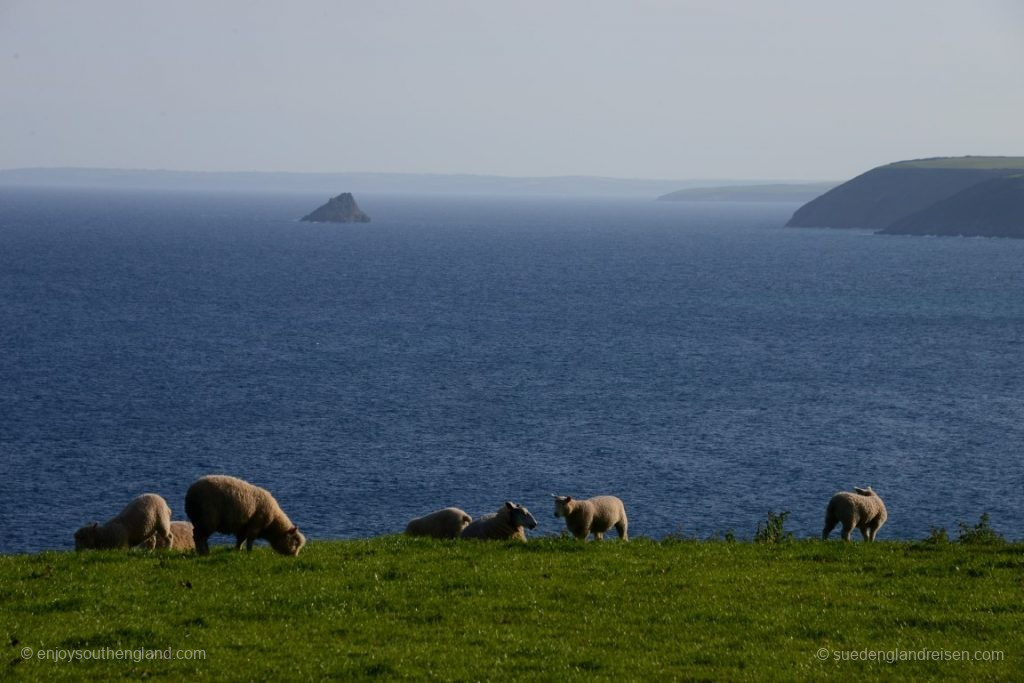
(981, 533)
(773, 529)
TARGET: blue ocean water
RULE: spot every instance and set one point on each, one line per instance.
(698, 360)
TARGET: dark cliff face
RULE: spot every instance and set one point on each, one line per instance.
(994, 208)
(340, 209)
(884, 195)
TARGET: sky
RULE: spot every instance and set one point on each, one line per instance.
(781, 90)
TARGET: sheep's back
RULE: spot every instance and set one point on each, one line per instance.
(607, 508)
(224, 504)
(141, 516)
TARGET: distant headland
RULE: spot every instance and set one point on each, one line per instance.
(340, 209)
(967, 196)
(766, 192)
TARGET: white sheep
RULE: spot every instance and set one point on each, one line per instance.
(228, 505)
(592, 516)
(444, 523)
(505, 524)
(146, 517)
(181, 538)
(861, 509)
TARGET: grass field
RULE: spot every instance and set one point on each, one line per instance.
(550, 609)
(974, 163)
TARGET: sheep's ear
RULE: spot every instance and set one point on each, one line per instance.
(95, 524)
(294, 530)
(510, 505)
(568, 499)
(554, 495)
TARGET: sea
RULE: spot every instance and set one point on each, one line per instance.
(699, 360)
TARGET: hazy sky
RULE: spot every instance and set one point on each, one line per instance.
(751, 89)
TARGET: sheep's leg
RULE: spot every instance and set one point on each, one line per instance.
(598, 535)
(248, 543)
(847, 531)
(830, 523)
(163, 535)
(239, 540)
(623, 529)
(864, 533)
(200, 538)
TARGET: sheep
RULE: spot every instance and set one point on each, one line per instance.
(505, 524)
(181, 538)
(445, 523)
(592, 516)
(862, 509)
(227, 505)
(146, 517)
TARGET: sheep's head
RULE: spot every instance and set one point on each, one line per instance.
(562, 505)
(289, 543)
(519, 515)
(85, 538)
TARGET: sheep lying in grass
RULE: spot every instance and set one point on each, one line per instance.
(592, 516)
(227, 505)
(505, 524)
(861, 509)
(445, 523)
(181, 538)
(147, 517)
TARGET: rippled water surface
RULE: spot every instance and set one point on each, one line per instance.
(698, 360)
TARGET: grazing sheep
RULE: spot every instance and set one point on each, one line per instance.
(592, 516)
(181, 538)
(446, 523)
(505, 524)
(862, 509)
(146, 517)
(227, 505)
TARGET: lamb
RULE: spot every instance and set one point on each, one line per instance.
(592, 516)
(445, 523)
(862, 509)
(181, 538)
(147, 517)
(505, 524)
(227, 505)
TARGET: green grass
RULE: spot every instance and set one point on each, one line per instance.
(972, 163)
(550, 609)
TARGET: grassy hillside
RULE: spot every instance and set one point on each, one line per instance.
(877, 199)
(969, 163)
(394, 607)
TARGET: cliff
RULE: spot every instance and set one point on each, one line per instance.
(887, 194)
(340, 209)
(994, 208)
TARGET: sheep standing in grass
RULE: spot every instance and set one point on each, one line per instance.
(446, 523)
(147, 517)
(504, 525)
(860, 509)
(227, 505)
(592, 516)
(181, 538)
